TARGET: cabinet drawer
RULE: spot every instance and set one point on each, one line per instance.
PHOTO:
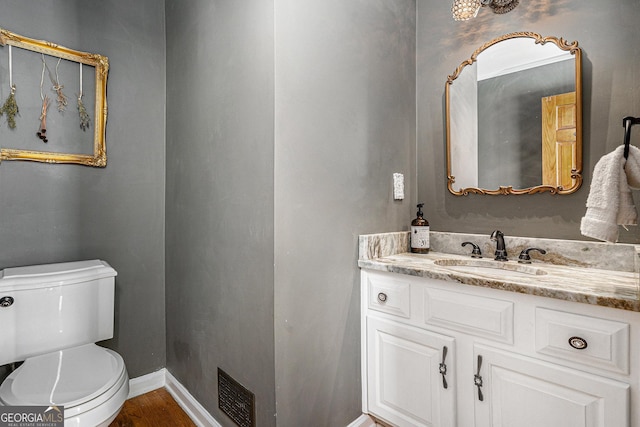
(479, 316)
(584, 340)
(390, 296)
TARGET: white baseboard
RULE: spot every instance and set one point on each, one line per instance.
(163, 378)
(363, 420)
(147, 383)
(198, 414)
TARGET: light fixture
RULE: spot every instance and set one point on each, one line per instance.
(463, 10)
(502, 6)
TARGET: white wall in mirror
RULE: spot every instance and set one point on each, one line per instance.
(464, 128)
(513, 55)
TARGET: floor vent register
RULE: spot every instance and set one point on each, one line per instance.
(235, 400)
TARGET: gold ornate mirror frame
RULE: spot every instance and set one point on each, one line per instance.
(101, 64)
(576, 170)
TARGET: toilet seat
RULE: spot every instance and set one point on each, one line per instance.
(91, 382)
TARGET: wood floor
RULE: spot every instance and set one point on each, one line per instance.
(154, 409)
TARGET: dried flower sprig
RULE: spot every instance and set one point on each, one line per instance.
(42, 133)
(61, 99)
(85, 119)
(10, 108)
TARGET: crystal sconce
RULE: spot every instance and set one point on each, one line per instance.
(463, 10)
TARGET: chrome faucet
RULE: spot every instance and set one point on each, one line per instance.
(501, 251)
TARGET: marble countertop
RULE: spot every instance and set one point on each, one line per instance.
(609, 288)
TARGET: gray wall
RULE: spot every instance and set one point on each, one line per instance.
(608, 36)
(53, 213)
(345, 122)
(286, 175)
(219, 225)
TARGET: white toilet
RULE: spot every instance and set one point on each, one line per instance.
(51, 315)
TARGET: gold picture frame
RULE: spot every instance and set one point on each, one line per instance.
(575, 171)
(101, 64)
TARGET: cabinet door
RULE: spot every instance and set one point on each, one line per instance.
(518, 391)
(405, 368)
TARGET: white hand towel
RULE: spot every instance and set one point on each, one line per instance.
(610, 202)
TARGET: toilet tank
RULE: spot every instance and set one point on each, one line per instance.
(49, 307)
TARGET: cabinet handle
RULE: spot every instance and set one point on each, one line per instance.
(578, 343)
(443, 367)
(477, 379)
(382, 297)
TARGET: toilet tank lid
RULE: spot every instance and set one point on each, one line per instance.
(59, 274)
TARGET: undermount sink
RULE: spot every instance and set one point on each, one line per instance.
(494, 268)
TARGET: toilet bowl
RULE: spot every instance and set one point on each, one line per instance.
(90, 382)
(52, 315)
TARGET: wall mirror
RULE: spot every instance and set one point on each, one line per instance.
(43, 75)
(514, 118)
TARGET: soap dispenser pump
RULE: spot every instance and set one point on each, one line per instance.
(420, 233)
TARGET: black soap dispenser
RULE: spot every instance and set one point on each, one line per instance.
(420, 233)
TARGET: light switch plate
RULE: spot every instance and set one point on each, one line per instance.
(398, 186)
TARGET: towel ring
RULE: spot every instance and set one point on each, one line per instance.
(627, 122)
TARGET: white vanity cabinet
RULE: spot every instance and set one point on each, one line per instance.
(520, 391)
(408, 374)
(440, 353)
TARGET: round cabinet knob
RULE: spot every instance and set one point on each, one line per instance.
(6, 301)
(382, 297)
(578, 343)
